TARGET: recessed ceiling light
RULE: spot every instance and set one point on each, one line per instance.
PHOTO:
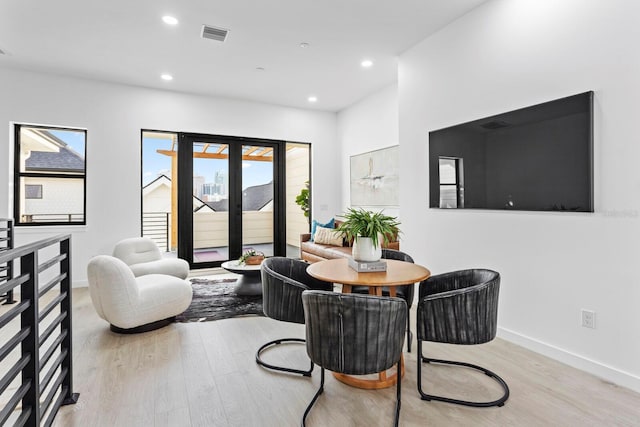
(304, 45)
(312, 99)
(166, 77)
(367, 63)
(170, 20)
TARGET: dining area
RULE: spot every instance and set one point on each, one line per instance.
(358, 324)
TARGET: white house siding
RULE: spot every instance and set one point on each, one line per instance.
(257, 227)
(60, 196)
(157, 200)
(297, 175)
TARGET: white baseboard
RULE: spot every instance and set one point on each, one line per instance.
(80, 284)
(608, 373)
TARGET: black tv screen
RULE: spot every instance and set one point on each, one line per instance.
(538, 158)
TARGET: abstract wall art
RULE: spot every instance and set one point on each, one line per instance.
(375, 177)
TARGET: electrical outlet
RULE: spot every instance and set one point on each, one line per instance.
(588, 319)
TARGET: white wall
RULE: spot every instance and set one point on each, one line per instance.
(509, 54)
(113, 116)
(368, 125)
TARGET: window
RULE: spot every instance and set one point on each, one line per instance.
(32, 191)
(49, 175)
(451, 188)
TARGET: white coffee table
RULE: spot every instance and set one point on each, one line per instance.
(249, 282)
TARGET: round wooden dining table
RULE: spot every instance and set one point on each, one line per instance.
(398, 273)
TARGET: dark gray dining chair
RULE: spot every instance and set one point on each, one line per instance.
(354, 335)
(460, 307)
(406, 292)
(283, 281)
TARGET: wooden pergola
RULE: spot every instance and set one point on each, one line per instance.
(220, 151)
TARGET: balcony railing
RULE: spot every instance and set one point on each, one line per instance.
(210, 229)
(71, 218)
(156, 226)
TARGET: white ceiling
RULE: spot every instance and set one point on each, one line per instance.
(127, 42)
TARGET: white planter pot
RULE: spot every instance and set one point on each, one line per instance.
(363, 249)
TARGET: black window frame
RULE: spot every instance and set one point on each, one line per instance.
(18, 175)
(457, 185)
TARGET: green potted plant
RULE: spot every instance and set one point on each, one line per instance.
(302, 200)
(251, 257)
(368, 230)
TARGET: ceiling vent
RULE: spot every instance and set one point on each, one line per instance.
(496, 124)
(214, 33)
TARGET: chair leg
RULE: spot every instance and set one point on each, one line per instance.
(315, 397)
(398, 394)
(409, 334)
(424, 396)
(260, 362)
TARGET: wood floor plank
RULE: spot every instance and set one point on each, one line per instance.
(205, 404)
(204, 374)
(170, 389)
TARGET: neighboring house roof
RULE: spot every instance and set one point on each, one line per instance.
(256, 197)
(160, 180)
(219, 206)
(253, 199)
(163, 180)
(64, 160)
(200, 205)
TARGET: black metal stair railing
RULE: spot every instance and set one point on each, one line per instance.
(6, 268)
(37, 348)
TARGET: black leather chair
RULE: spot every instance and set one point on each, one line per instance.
(460, 307)
(354, 335)
(405, 292)
(283, 281)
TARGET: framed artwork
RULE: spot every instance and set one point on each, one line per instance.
(375, 177)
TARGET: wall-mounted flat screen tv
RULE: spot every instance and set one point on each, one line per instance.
(538, 158)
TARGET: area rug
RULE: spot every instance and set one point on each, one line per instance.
(214, 299)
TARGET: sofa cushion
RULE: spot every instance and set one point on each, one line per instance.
(316, 224)
(339, 251)
(328, 236)
(325, 251)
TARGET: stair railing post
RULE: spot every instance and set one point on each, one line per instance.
(66, 306)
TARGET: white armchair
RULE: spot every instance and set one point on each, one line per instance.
(143, 257)
(135, 304)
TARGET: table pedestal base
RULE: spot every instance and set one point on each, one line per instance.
(383, 380)
(248, 284)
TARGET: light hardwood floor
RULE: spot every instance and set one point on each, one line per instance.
(204, 374)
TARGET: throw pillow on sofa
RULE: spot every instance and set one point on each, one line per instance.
(315, 224)
(328, 236)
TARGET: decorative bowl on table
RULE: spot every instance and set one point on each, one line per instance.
(254, 260)
(251, 257)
